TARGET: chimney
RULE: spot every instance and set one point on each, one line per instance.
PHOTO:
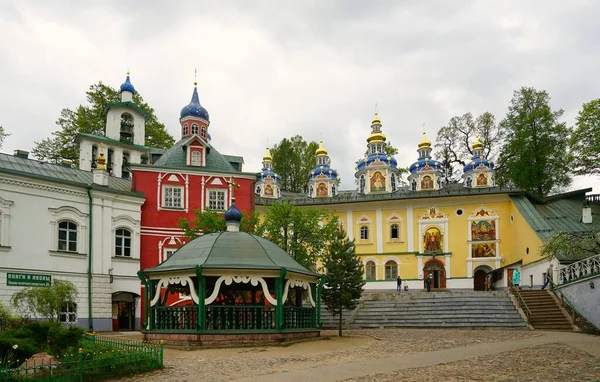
(586, 213)
(68, 163)
(22, 154)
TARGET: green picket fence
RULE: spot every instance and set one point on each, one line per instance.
(98, 358)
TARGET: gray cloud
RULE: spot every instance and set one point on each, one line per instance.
(269, 70)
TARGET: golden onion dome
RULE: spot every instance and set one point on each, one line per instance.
(376, 137)
(267, 156)
(425, 143)
(376, 120)
(478, 145)
(321, 150)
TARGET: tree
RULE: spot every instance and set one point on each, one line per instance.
(207, 221)
(301, 232)
(3, 136)
(88, 119)
(455, 142)
(293, 159)
(573, 246)
(535, 154)
(585, 140)
(344, 273)
(47, 301)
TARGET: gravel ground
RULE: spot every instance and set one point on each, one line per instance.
(553, 362)
(356, 345)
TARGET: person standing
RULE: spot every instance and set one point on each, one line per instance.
(549, 276)
(428, 283)
(398, 284)
(516, 278)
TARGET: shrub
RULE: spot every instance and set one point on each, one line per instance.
(6, 317)
(38, 336)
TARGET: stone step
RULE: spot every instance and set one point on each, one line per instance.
(365, 314)
(471, 325)
(500, 305)
(437, 303)
(449, 320)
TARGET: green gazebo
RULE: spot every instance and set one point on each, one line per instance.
(238, 287)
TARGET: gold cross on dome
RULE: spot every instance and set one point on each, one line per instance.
(231, 182)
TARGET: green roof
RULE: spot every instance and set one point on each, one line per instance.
(32, 168)
(102, 138)
(175, 157)
(128, 103)
(230, 250)
(233, 158)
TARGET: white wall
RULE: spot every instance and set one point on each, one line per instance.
(585, 298)
(537, 270)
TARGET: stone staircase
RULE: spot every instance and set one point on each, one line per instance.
(546, 314)
(449, 309)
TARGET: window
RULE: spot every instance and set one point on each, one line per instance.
(393, 182)
(364, 233)
(216, 200)
(195, 129)
(391, 270)
(203, 131)
(172, 197)
(169, 252)
(186, 129)
(123, 243)
(413, 185)
(394, 231)
(68, 313)
(67, 236)
(370, 271)
(333, 190)
(196, 158)
(362, 184)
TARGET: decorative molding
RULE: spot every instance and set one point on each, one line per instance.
(298, 283)
(364, 219)
(182, 280)
(228, 280)
(43, 187)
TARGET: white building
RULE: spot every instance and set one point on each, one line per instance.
(57, 222)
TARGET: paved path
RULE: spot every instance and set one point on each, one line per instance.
(583, 342)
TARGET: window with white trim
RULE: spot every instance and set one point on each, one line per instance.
(185, 129)
(370, 273)
(195, 129)
(173, 197)
(123, 242)
(364, 233)
(216, 200)
(203, 130)
(68, 313)
(391, 270)
(168, 252)
(196, 158)
(394, 231)
(362, 184)
(67, 236)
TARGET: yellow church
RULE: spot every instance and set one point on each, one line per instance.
(457, 234)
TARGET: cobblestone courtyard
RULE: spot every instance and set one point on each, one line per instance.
(397, 355)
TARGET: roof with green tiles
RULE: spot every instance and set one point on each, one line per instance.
(230, 250)
(175, 157)
(102, 138)
(128, 104)
(35, 169)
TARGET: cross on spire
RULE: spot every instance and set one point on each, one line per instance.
(233, 185)
(195, 76)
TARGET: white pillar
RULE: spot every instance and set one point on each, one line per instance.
(349, 225)
(410, 229)
(379, 230)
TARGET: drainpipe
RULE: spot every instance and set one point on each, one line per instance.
(89, 272)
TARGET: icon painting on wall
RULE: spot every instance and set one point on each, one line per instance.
(432, 240)
(268, 190)
(426, 182)
(483, 250)
(322, 189)
(482, 180)
(483, 230)
(377, 182)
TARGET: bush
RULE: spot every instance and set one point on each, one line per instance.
(6, 317)
(39, 336)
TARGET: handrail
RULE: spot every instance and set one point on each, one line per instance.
(579, 269)
(521, 300)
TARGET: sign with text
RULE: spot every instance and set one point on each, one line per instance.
(28, 279)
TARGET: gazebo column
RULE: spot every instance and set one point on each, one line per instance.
(146, 299)
(151, 292)
(201, 296)
(319, 289)
(279, 294)
(315, 314)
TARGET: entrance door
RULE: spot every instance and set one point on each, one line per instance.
(479, 280)
(125, 315)
(436, 270)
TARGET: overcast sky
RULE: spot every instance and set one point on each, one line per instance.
(272, 69)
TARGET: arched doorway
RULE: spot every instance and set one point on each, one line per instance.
(479, 277)
(123, 310)
(435, 269)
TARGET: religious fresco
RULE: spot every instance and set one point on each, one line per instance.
(268, 190)
(432, 213)
(426, 182)
(377, 182)
(322, 189)
(483, 250)
(482, 180)
(483, 230)
(432, 240)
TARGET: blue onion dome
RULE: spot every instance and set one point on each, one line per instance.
(425, 164)
(478, 162)
(127, 86)
(381, 157)
(233, 214)
(268, 173)
(194, 109)
(323, 170)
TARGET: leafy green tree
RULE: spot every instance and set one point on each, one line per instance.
(455, 142)
(535, 154)
(572, 245)
(344, 273)
(293, 159)
(301, 232)
(47, 301)
(585, 140)
(207, 221)
(88, 119)
(3, 135)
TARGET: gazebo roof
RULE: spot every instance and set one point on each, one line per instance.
(230, 250)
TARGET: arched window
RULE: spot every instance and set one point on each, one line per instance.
(195, 129)
(370, 272)
(123, 242)
(67, 236)
(203, 131)
(364, 233)
(391, 270)
(186, 129)
(413, 185)
(333, 190)
(196, 158)
(393, 182)
(394, 231)
(362, 183)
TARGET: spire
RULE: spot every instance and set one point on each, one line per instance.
(195, 77)
(321, 151)
(267, 155)
(425, 143)
(376, 120)
(477, 145)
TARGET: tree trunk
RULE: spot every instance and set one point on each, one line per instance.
(340, 328)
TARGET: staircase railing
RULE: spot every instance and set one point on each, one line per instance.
(522, 304)
(580, 269)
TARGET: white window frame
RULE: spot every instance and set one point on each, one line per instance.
(362, 184)
(216, 191)
(392, 267)
(68, 230)
(5, 223)
(203, 131)
(164, 196)
(123, 239)
(68, 313)
(397, 225)
(195, 128)
(186, 129)
(196, 158)
(168, 252)
(374, 268)
(364, 232)
(72, 214)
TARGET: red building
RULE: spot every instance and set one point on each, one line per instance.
(191, 175)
